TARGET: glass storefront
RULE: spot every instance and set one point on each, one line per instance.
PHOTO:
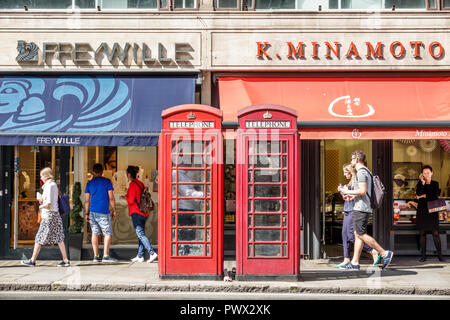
(115, 161)
(409, 157)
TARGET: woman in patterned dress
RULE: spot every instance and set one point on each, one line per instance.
(51, 228)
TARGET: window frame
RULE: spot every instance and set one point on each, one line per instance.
(239, 6)
(172, 6)
(441, 6)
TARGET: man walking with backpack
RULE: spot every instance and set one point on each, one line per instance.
(98, 196)
(361, 212)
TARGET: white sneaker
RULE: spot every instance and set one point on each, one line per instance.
(137, 259)
(152, 258)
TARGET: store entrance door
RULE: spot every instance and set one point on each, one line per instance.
(334, 155)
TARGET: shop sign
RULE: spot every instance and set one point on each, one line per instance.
(84, 53)
(191, 124)
(431, 134)
(268, 124)
(336, 50)
(57, 141)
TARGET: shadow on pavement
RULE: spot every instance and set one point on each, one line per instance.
(320, 275)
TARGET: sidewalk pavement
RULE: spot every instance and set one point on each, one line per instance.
(405, 276)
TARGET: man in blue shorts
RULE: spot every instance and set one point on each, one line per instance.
(98, 196)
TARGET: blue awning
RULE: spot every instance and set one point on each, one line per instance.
(88, 110)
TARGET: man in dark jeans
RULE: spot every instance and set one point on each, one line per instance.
(361, 213)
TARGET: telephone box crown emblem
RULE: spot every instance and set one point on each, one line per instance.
(191, 116)
(267, 115)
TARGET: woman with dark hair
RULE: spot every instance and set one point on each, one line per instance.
(427, 190)
(135, 189)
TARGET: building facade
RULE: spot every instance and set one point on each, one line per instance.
(87, 81)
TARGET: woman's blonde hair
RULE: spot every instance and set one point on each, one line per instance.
(47, 172)
(350, 169)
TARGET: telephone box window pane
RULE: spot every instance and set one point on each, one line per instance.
(190, 146)
(174, 190)
(270, 191)
(268, 147)
(174, 175)
(267, 176)
(174, 147)
(174, 235)
(191, 249)
(250, 176)
(208, 219)
(208, 161)
(208, 147)
(191, 205)
(174, 220)
(250, 161)
(174, 205)
(267, 205)
(208, 190)
(284, 162)
(250, 223)
(208, 176)
(284, 250)
(267, 220)
(250, 206)
(284, 190)
(208, 235)
(208, 249)
(250, 147)
(190, 161)
(267, 235)
(284, 220)
(174, 250)
(250, 191)
(284, 206)
(267, 250)
(250, 238)
(284, 235)
(208, 205)
(191, 220)
(284, 146)
(190, 190)
(191, 235)
(263, 161)
(284, 176)
(190, 175)
(250, 250)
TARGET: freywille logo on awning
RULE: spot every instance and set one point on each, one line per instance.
(348, 107)
(422, 133)
(58, 140)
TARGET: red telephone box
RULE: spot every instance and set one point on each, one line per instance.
(190, 228)
(268, 194)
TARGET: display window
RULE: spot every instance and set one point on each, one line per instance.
(27, 183)
(115, 161)
(409, 156)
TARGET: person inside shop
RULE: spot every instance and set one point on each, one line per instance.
(427, 190)
(50, 229)
(347, 224)
(135, 188)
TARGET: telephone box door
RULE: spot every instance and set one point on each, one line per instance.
(268, 214)
(191, 212)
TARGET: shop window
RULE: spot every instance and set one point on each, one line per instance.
(115, 161)
(32, 159)
(409, 157)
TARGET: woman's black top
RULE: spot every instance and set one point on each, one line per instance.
(427, 221)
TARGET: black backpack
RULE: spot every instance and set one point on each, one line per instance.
(378, 191)
(146, 203)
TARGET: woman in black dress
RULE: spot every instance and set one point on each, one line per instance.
(427, 190)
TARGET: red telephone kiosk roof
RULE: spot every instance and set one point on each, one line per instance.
(192, 116)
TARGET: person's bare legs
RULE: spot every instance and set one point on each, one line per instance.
(62, 248)
(371, 242)
(357, 249)
(36, 250)
(94, 241)
(106, 245)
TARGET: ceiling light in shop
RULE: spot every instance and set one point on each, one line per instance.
(411, 151)
(428, 145)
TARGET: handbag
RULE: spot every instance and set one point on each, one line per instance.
(437, 206)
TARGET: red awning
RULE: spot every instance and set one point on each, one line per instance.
(331, 102)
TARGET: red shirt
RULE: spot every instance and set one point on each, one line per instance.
(133, 196)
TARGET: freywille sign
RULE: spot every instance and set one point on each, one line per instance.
(338, 50)
(83, 52)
